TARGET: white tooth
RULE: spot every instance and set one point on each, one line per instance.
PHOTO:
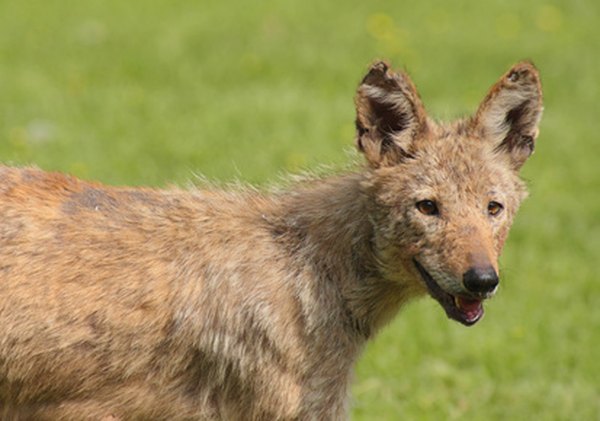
(456, 302)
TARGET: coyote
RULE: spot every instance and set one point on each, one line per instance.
(137, 303)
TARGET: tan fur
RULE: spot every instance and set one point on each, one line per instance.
(122, 303)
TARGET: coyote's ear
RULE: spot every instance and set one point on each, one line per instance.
(389, 116)
(510, 113)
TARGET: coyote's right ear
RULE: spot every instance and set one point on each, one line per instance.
(510, 113)
(389, 116)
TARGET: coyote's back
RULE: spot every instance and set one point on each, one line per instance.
(132, 303)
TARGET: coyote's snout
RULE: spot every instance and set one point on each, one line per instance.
(122, 303)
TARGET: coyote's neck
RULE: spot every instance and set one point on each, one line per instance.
(328, 222)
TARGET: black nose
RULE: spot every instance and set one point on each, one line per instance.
(481, 280)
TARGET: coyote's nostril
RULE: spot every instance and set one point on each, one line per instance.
(481, 279)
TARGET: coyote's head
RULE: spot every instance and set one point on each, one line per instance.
(444, 195)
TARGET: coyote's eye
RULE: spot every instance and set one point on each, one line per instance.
(428, 207)
(494, 208)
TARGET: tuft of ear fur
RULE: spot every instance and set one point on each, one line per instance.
(510, 113)
(389, 116)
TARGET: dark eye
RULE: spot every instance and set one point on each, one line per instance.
(428, 207)
(494, 208)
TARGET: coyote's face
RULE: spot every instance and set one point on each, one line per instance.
(445, 195)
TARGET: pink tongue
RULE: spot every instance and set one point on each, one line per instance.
(470, 307)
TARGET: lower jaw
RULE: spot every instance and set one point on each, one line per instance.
(454, 312)
(467, 320)
(464, 310)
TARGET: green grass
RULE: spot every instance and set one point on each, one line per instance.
(134, 92)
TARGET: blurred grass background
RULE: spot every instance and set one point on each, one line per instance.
(148, 93)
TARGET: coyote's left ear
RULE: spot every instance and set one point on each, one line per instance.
(510, 113)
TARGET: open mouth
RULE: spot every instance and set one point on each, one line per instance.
(463, 309)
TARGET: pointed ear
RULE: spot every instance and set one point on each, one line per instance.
(389, 116)
(510, 113)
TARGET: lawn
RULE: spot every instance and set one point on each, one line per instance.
(151, 93)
